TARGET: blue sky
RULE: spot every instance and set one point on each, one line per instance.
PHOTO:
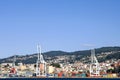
(67, 25)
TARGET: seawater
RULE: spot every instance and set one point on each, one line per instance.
(59, 78)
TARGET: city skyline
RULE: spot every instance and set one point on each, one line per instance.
(65, 25)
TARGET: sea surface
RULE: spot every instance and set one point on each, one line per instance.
(59, 78)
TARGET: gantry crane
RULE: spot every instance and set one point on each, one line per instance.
(40, 64)
(94, 65)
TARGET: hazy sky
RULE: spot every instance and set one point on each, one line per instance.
(67, 25)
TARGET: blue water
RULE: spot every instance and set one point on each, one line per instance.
(60, 79)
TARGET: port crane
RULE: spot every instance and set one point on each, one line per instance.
(94, 66)
(40, 64)
(13, 70)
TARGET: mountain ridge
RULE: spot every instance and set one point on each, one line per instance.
(78, 55)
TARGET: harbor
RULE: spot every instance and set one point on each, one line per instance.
(42, 69)
(60, 39)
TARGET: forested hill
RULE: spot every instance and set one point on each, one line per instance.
(106, 53)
